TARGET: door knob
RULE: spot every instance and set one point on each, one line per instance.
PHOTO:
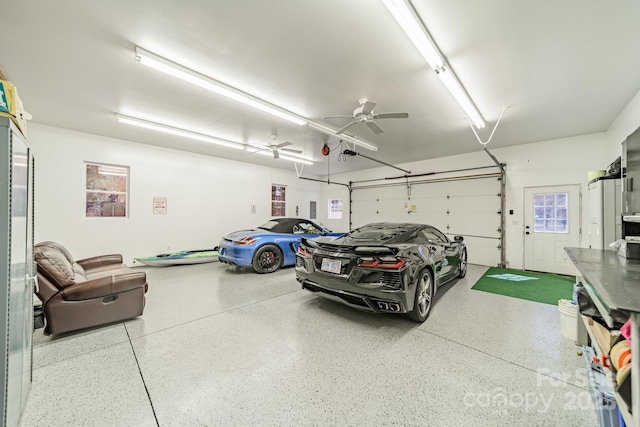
(527, 227)
(526, 232)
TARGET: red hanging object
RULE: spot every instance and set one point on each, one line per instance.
(325, 150)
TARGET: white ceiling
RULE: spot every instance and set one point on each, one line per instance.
(564, 67)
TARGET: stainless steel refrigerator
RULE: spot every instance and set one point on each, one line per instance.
(17, 268)
(605, 209)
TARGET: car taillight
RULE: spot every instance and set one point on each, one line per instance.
(245, 241)
(304, 251)
(383, 262)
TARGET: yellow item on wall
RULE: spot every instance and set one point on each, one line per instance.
(11, 105)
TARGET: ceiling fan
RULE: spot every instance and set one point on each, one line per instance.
(277, 148)
(364, 114)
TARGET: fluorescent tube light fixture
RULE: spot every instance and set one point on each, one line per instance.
(410, 22)
(177, 131)
(176, 70)
(181, 72)
(453, 84)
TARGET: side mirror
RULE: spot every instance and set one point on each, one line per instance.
(458, 239)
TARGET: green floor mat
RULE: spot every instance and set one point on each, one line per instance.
(540, 287)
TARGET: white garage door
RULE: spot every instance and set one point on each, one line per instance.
(457, 206)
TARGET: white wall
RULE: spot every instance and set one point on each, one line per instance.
(546, 163)
(626, 122)
(207, 197)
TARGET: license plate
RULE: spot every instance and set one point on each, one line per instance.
(331, 266)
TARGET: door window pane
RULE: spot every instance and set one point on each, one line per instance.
(551, 213)
(561, 213)
(561, 226)
(561, 199)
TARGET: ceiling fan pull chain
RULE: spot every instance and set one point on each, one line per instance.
(484, 144)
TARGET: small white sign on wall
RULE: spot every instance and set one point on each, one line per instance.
(159, 205)
(335, 209)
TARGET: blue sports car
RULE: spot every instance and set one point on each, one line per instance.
(272, 245)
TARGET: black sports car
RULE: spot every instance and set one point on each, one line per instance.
(382, 267)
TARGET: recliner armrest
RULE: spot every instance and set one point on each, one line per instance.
(104, 286)
(99, 261)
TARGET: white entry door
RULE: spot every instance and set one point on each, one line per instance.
(552, 222)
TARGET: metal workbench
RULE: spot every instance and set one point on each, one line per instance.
(613, 283)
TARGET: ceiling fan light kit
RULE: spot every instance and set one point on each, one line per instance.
(412, 25)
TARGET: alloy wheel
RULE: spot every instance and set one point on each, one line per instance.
(424, 294)
(463, 264)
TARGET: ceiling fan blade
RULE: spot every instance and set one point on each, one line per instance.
(291, 150)
(367, 107)
(255, 149)
(374, 127)
(344, 128)
(339, 116)
(391, 116)
(284, 144)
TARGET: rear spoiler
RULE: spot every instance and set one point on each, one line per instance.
(359, 249)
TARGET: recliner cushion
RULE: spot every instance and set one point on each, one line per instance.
(55, 264)
(105, 286)
(80, 273)
(61, 248)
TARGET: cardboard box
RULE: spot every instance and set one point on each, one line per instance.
(11, 105)
(604, 337)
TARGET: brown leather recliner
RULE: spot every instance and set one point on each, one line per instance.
(88, 292)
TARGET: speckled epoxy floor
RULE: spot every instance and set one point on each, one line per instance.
(218, 346)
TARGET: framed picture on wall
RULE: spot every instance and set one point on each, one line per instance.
(106, 190)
